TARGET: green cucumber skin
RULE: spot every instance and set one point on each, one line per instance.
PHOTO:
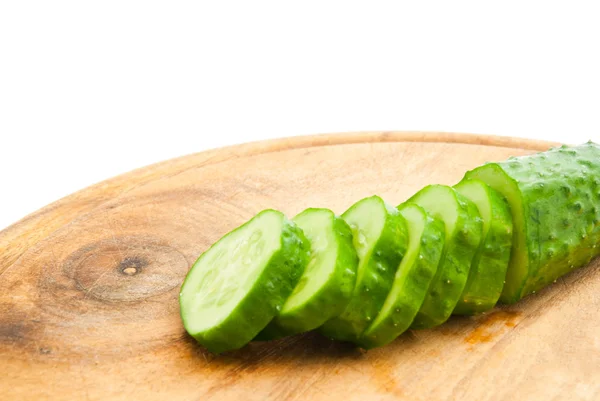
(452, 273)
(488, 271)
(417, 283)
(560, 193)
(265, 298)
(369, 295)
(330, 301)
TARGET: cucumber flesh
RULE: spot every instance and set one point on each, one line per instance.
(463, 229)
(413, 277)
(327, 282)
(488, 271)
(554, 198)
(240, 283)
(380, 239)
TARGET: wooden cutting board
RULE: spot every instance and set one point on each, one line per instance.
(89, 287)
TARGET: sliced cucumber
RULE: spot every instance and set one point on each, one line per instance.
(488, 271)
(328, 281)
(554, 198)
(463, 234)
(425, 245)
(240, 283)
(380, 240)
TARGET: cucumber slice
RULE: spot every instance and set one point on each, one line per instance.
(328, 281)
(380, 239)
(240, 283)
(426, 239)
(463, 234)
(488, 271)
(554, 198)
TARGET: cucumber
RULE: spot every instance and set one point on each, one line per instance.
(554, 198)
(426, 241)
(488, 271)
(463, 229)
(240, 283)
(325, 288)
(377, 270)
(380, 239)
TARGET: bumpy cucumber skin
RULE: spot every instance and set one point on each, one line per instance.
(488, 271)
(330, 301)
(416, 285)
(265, 298)
(452, 273)
(369, 295)
(560, 194)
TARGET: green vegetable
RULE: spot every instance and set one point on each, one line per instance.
(238, 285)
(488, 271)
(463, 234)
(328, 281)
(555, 202)
(413, 277)
(505, 231)
(380, 239)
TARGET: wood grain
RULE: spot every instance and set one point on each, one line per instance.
(89, 287)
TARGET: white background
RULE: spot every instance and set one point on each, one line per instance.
(89, 89)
